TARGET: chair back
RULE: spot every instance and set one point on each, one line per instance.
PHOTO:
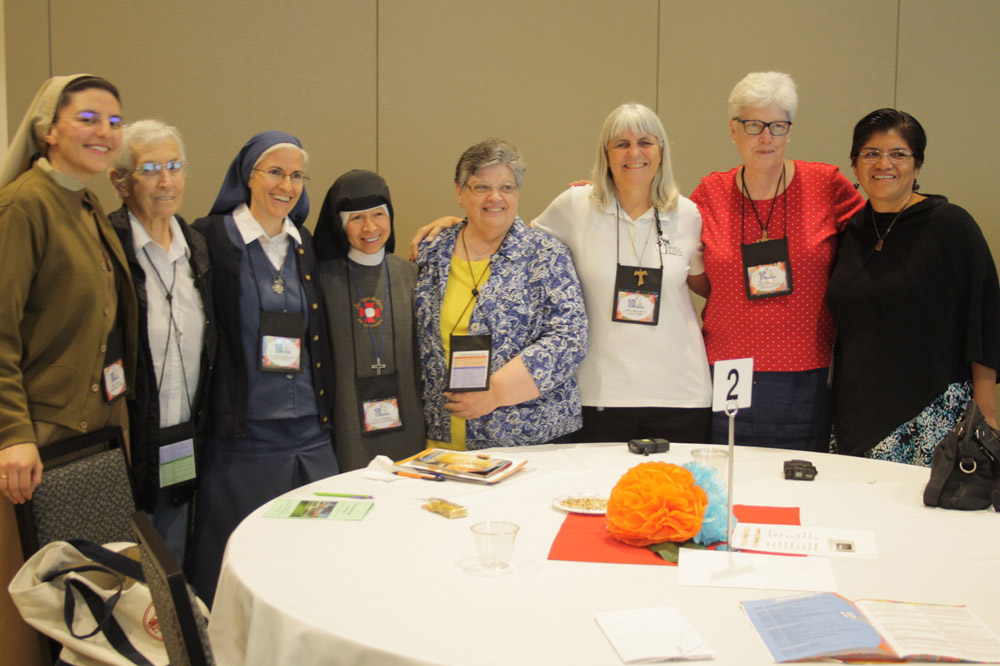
(86, 493)
(182, 624)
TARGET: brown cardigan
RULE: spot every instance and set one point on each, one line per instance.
(51, 323)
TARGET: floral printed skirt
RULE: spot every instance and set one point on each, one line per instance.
(914, 441)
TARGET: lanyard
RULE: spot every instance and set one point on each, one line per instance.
(386, 314)
(475, 280)
(618, 237)
(278, 281)
(173, 330)
(763, 225)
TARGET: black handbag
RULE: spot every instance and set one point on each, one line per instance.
(965, 466)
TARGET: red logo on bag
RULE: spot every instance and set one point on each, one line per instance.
(151, 623)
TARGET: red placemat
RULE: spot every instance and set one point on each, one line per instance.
(585, 538)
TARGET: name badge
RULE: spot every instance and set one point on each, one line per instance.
(381, 415)
(469, 364)
(113, 375)
(281, 341)
(378, 399)
(637, 295)
(177, 463)
(766, 269)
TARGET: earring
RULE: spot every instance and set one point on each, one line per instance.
(916, 185)
(857, 185)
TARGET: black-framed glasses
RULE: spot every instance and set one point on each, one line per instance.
(275, 175)
(482, 189)
(775, 127)
(874, 155)
(153, 169)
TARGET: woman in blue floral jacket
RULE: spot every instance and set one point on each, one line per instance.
(505, 295)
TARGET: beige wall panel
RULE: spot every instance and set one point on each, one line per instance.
(542, 75)
(840, 70)
(27, 52)
(222, 71)
(949, 68)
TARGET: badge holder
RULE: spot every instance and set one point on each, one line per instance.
(281, 341)
(766, 269)
(469, 362)
(113, 373)
(378, 401)
(637, 295)
(176, 460)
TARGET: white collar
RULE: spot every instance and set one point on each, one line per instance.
(359, 257)
(250, 229)
(141, 238)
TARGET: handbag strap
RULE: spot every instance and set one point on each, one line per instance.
(107, 562)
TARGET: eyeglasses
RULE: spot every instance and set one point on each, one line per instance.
(154, 169)
(274, 175)
(94, 118)
(482, 189)
(874, 155)
(755, 127)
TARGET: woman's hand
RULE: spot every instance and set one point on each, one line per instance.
(510, 385)
(471, 404)
(429, 232)
(20, 471)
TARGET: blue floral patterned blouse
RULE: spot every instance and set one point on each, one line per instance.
(532, 305)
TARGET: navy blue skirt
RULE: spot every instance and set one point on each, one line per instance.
(788, 410)
(239, 475)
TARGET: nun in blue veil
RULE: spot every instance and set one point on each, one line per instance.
(273, 386)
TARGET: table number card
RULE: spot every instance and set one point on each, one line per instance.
(732, 383)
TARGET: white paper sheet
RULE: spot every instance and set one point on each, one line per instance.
(652, 635)
(714, 568)
(805, 540)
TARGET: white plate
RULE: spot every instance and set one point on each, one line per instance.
(560, 503)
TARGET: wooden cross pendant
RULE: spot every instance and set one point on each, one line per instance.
(641, 273)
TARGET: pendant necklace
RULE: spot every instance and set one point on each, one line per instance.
(881, 237)
(640, 272)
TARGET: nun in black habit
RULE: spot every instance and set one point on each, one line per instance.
(368, 292)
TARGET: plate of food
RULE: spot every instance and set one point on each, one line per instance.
(595, 504)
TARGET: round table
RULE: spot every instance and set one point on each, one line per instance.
(388, 589)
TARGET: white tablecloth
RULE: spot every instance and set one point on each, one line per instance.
(387, 590)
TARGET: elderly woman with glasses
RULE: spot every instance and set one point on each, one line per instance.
(67, 349)
(273, 384)
(915, 298)
(172, 277)
(769, 228)
(500, 317)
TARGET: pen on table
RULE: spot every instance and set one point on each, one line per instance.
(415, 475)
(345, 495)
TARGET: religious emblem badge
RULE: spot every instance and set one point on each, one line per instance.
(369, 311)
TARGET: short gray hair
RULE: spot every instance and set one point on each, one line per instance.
(641, 120)
(486, 154)
(764, 89)
(142, 133)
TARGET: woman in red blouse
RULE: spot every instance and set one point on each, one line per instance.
(770, 228)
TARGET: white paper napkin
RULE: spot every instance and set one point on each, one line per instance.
(651, 635)
(380, 469)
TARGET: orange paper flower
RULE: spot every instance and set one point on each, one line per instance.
(655, 502)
